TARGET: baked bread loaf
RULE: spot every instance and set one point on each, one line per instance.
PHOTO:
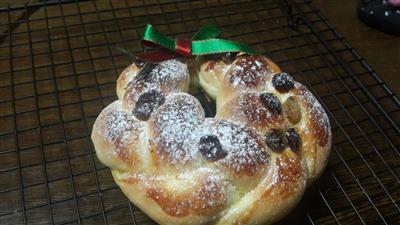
(250, 164)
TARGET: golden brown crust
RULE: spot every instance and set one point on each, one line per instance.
(314, 130)
(318, 125)
(214, 65)
(273, 68)
(318, 120)
(197, 193)
(289, 172)
(248, 71)
(248, 109)
(259, 71)
(286, 181)
(126, 76)
(274, 196)
(319, 129)
(118, 133)
(201, 201)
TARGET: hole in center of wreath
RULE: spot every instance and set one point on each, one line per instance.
(208, 104)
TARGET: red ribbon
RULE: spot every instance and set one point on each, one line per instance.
(157, 56)
(183, 46)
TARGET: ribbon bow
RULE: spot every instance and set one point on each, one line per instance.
(204, 42)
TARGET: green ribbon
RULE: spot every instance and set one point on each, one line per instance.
(204, 42)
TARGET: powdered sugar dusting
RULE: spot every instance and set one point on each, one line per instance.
(212, 189)
(167, 76)
(245, 150)
(164, 73)
(169, 71)
(121, 128)
(174, 124)
(212, 192)
(315, 106)
(248, 71)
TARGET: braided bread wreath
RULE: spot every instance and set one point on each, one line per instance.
(250, 164)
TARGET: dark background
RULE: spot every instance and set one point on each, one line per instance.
(381, 51)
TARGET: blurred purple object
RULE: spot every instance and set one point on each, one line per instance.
(394, 2)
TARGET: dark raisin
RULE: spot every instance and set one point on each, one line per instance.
(139, 63)
(144, 73)
(147, 103)
(271, 102)
(283, 82)
(211, 148)
(229, 57)
(276, 140)
(294, 139)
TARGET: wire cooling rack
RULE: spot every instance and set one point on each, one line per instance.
(58, 66)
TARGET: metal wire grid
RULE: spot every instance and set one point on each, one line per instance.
(58, 66)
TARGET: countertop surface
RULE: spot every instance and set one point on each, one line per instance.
(381, 51)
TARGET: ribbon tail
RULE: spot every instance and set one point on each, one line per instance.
(151, 35)
(206, 32)
(213, 46)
